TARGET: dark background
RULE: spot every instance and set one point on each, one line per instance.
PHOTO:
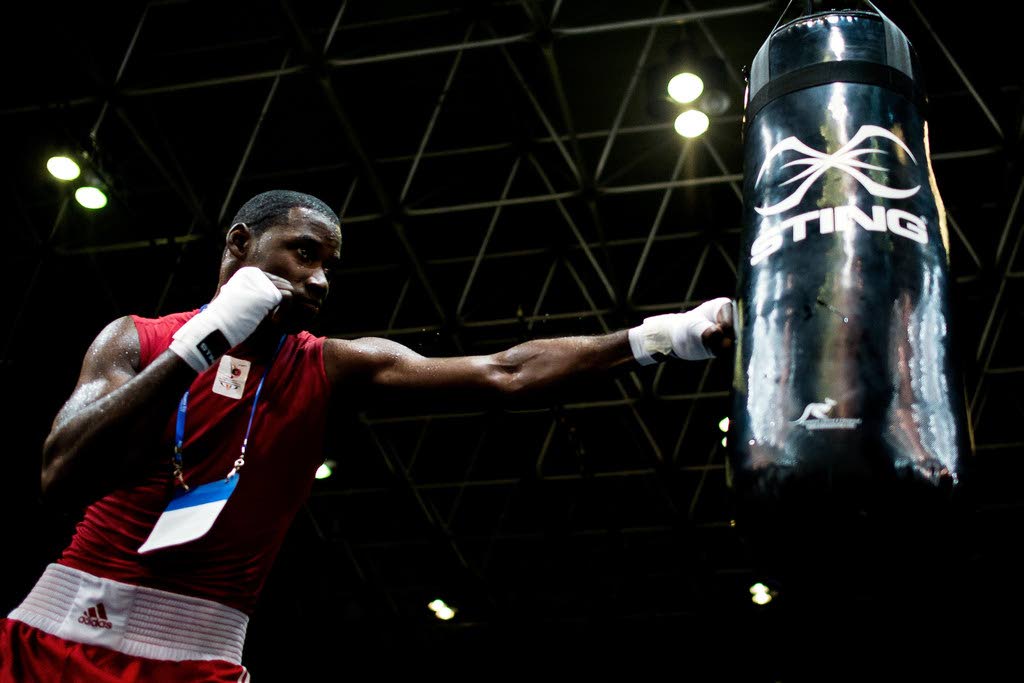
(587, 531)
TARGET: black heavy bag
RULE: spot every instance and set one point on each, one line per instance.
(844, 379)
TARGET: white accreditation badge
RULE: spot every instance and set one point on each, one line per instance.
(231, 376)
(190, 514)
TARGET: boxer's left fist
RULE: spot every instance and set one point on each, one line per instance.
(697, 334)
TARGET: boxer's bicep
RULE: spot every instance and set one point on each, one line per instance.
(389, 365)
(111, 361)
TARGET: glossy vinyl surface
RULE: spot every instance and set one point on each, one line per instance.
(844, 370)
(829, 38)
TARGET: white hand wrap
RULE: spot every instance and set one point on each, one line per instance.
(244, 301)
(678, 334)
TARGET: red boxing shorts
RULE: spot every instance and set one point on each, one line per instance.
(77, 627)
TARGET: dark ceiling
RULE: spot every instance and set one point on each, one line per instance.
(499, 177)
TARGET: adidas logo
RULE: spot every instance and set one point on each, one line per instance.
(95, 617)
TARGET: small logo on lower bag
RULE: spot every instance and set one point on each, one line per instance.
(95, 617)
(816, 416)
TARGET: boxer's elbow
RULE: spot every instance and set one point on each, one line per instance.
(53, 465)
(48, 481)
(62, 457)
(521, 372)
(504, 380)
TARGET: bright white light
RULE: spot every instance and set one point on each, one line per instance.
(323, 471)
(836, 43)
(62, 168)
(441, 610)
(760, 594)
(91, 197)
(724, 424)
(725, 442)
(685, 87)
(692, 123)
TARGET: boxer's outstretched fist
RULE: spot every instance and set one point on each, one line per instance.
(722, 334)
(695, 335)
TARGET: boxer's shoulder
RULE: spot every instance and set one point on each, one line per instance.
(153, 335)
(357, 360)
(170, 321)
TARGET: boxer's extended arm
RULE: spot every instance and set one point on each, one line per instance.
(529, 367)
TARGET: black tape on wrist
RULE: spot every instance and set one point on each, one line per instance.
(213, 346)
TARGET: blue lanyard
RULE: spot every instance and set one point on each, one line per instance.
(179, 426)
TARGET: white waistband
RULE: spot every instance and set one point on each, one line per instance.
(138, 621)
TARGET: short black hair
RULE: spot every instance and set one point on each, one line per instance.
(270, 208)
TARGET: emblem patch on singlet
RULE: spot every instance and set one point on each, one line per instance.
(231, 376)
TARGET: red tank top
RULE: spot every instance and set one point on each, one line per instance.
(230, 563)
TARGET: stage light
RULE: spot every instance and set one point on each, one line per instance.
(91, 197)
(685, 87)
(63, 168)
(692, 123)
(326, 469)
(687, 78)
(441, 610)
(760, 594)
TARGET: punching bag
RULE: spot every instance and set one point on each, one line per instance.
(844, 378)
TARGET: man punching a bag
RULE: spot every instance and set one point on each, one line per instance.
(193, 438)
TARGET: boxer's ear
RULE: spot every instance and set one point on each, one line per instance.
(239, 240)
